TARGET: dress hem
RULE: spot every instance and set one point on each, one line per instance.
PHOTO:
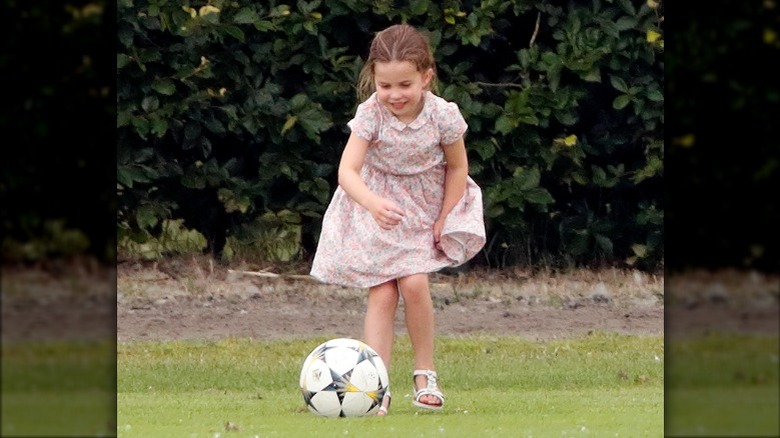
(360, 286)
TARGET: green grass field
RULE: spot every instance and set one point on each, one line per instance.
(723, 384)
(602, 385)
(58, 388)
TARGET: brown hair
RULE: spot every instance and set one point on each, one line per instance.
(400, 42)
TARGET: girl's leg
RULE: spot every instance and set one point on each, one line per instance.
(418, 310)
(378, 329)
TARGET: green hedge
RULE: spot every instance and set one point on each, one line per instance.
(57, 180)
(724, 153)
(232, 117)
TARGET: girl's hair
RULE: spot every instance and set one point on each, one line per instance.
(400, 42)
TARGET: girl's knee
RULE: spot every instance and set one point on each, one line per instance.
(384, 295)
(414, 287)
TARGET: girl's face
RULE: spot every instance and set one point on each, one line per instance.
(400, 88)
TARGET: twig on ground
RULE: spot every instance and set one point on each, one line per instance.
(267, 274)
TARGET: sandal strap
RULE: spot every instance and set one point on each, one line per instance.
(432, 386)
(431, 377)
(427, 391)
(382, 406)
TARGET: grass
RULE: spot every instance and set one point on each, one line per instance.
(723, 384)
(601, 385)
(58, 388)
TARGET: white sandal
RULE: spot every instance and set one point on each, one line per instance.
(384, 407)
(430, 389)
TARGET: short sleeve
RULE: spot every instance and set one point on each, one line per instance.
(365, 124)
(452, 125)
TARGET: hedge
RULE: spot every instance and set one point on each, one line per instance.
(232, 117)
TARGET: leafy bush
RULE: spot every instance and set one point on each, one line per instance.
(230, 113)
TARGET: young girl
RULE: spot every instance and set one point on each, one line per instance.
(405, 205)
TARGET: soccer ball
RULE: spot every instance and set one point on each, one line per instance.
(343, 378)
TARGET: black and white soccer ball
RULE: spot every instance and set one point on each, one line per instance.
(343, 378)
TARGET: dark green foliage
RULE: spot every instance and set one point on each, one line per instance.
(724, 157)
(57, 192)
(229, 112)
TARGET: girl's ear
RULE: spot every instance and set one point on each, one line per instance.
(427, 76)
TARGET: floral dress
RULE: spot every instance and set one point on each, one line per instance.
(406, 164)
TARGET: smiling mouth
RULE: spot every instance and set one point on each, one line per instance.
(397, 106)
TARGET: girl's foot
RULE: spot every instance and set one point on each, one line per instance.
(428, 396)
(385, 404)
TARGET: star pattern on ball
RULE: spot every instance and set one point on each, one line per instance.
(343, 378)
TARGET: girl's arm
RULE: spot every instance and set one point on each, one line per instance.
(454, 182)
(385, 212)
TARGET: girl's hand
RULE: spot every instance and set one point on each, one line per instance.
(386, 213)
(438, 226)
